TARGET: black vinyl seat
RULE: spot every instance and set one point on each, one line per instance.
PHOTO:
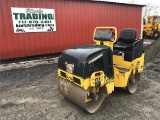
(128, 46)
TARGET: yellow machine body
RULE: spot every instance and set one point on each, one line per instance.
(124, 69)
(123, 72)
(151, 27)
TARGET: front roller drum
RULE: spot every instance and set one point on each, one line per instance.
(79, 96)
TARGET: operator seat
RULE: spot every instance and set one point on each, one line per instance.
(127, 45)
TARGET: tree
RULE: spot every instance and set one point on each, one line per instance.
(150, 10)
(131, 2)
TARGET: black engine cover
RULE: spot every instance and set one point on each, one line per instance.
(80, 57)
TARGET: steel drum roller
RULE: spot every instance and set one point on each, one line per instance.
(78, 95)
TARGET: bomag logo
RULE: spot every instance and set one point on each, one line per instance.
(96, 58)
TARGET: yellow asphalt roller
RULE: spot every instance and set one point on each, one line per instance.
(89, 73)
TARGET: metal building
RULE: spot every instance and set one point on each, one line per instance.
(74, 21)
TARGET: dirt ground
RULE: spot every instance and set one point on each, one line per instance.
(32, 94)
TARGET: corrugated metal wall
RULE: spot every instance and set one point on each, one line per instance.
(75, 22)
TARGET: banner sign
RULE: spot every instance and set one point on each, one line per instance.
(33, 20)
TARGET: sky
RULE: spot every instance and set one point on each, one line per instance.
(141, 2)
(154, 2)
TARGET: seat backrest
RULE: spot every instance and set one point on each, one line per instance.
(127, 36)
(103, 35)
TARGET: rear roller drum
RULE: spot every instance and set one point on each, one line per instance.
(89, 101)
(133, 83)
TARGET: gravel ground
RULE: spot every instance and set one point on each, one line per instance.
(32, 94)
